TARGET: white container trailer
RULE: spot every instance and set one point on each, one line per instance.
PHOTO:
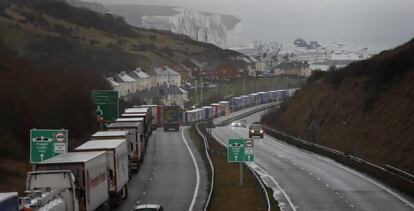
(133, 128)
(191, 116)
(82, 178)
(141, 130)
(117, 150)
(154, 113)
(105, 135)
(225, 107)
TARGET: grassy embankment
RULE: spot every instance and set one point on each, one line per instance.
(235, 88)
(228, 195)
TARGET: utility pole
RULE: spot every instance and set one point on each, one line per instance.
(244, 84)
(195, 92)
(197, 33)
(202, 86)
(206, 35)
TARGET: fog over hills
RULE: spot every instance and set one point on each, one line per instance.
(377, 24)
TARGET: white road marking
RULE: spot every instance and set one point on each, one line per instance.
(348, 169)
(197, 172)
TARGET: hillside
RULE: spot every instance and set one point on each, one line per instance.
(52, 56)
(365, 109)
(51, 32)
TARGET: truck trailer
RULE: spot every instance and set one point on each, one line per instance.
(9, 201)
(171, 117)
(133, 128)
(81, 178)
(117, 150)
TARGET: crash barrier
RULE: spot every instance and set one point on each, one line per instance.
(258, 179)
(207, 148)
(262, 187)
(392, 176)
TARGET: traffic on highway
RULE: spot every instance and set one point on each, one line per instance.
(108, 171)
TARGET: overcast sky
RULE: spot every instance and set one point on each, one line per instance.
(374, 23)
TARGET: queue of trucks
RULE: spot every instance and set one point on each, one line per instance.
(223, 108)
(95, 175)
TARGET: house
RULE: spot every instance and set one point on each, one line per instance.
(127, 83)
(164, 94)
(115, 86)
(143, 80)
(183, 70)
(192, 68)
(293, 68)
(224, 72)
(164, 75)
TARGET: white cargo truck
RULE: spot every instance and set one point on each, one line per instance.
(141, 130)
(81, 178)
(154, 113)
(134, 135)
(117, 150)
(117, 134)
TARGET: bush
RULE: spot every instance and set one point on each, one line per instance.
(58, 97)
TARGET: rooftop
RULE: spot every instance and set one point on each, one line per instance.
(138, 73)
(73, 157)
(123, 78)
(110, 133)
(164, 71)
(101, 144)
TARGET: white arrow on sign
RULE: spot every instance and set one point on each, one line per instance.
(235, 157)
(41, 157)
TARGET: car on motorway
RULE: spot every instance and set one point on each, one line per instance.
(148, 207)
(236, 124)
(241, 123)
(256, 129)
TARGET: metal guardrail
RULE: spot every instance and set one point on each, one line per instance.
(207, 148)
(399, 172)
(265, 193)
(390, 175)
(262, 187)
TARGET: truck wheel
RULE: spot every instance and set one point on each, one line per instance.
(261, 136)
(125, 192)
(250, 136)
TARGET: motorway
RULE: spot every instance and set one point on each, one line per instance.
(168, 175)
(306, 181)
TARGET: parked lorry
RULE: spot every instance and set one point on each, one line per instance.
(143, 136)
(117, 150)
(9, 201)
(135, 138)
(79, 178)
(171, 117)
(143, 112)
(154, 114)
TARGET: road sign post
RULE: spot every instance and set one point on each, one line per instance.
(107, 104)
(45, 144)
(239, 151)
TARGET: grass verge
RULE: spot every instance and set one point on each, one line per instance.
(227, 194)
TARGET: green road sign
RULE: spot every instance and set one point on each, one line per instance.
(106, 102)
(45, 144)
(240, 150)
